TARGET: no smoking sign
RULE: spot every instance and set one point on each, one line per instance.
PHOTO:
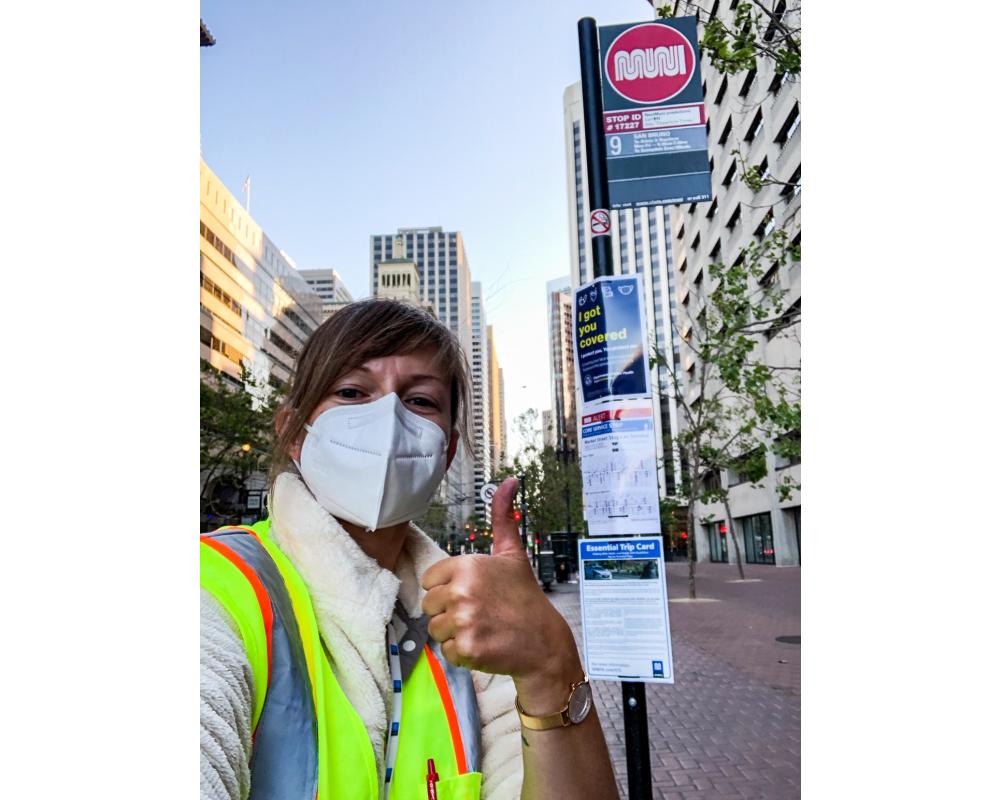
(600, 222)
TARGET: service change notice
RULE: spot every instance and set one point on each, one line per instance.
(623, 602)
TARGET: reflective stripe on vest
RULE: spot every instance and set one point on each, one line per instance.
(283, 765)
(459, 697)
(440, 716)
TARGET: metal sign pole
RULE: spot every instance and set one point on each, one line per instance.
(640, 784)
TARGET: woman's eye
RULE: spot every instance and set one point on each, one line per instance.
(348, 393)
(423, 402)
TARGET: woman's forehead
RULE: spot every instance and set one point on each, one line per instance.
(418, 365)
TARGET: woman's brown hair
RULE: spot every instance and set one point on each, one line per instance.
(355, 334)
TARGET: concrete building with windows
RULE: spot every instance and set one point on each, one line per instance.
(256, 310)
(481, 418)
(756, 112)
(641, 245)
(444, 287)
(330, 287)
(256, 313)
(560, 429)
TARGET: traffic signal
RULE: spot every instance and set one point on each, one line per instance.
(517, 516)
(472, 537)
(684, 534)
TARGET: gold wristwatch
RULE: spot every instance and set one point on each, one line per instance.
(580, 701)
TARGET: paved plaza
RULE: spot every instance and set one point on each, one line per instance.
(729, 725)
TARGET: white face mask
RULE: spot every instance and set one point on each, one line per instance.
(374, 464)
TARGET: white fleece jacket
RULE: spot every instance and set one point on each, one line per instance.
(353, 598)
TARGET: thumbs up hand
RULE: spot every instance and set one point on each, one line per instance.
(490, 614)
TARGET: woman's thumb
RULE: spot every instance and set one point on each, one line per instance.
(506, 536)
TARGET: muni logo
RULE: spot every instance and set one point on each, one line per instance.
(649, 63)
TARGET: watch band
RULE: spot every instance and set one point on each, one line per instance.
(560, 719)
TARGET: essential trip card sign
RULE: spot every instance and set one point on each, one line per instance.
(623, 604)
(654, 113)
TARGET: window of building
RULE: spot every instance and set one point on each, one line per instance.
(716, 249)
(788, 127)
(696, 241)
(718, 550)
(748, 82)
(788, 451)
(712, 209)
(769, 278)
(735, 218)
(730, 174)
(794, 184)
(698, 277)
(788, 318)
(758, 539)
(776, 15)
(726, 130)
(719, 95)
(755, 126)
(684, 264)
(766, 225)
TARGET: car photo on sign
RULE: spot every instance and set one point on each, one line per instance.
(618, 570)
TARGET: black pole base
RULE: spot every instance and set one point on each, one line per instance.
(640, 781)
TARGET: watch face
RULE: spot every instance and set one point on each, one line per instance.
(579, 703)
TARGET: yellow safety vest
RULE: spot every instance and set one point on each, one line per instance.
(309, 742)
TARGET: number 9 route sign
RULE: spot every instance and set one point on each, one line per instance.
(654, 114)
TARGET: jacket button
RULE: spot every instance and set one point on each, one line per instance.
(409, 645)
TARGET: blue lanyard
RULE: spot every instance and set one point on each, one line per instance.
(392, 745)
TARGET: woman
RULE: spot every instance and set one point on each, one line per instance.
(343, 654)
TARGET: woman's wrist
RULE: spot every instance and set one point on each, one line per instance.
(546, 689)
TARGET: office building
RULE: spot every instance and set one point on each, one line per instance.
(444, 287)
(481, 438)
(330, 287)
(562, 373)
(256, 310)
(758, 113)
(641, 245)
(256, 313)
(498, 423)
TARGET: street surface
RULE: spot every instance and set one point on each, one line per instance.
(728, 728)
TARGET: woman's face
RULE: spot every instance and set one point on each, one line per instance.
(420, 385)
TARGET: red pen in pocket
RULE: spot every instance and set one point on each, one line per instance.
(432, 779)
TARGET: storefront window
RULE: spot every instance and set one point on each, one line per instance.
(717, 545)
(758, 538)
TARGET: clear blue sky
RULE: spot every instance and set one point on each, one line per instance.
(359, 118)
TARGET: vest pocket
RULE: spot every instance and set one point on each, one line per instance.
(460, 787)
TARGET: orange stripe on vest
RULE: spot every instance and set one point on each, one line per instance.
(449, 709)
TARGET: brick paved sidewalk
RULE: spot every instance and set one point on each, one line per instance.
(729, 726)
